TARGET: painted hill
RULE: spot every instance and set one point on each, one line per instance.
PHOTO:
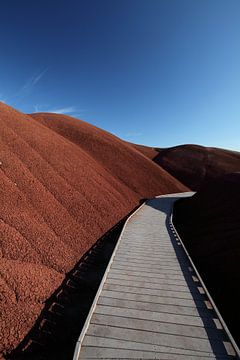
(64, 183)
(194, 164)
(209, 224)
(148, 151)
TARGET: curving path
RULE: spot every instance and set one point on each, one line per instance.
(150, 304)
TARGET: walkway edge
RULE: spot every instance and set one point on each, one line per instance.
(224, 325)
(87, 322)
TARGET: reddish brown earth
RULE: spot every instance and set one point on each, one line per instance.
(194, 164)
(64, 183)
(148, 151)
(209, 224)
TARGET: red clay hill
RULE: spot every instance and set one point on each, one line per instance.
(193, 165)
(209, 223)
(64, 183)
(148, 151)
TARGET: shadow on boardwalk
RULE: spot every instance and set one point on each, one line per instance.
(215, 336)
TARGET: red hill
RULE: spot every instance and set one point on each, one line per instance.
(148, 151)
(63, 184)
(194, 164)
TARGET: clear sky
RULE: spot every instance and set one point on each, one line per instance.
(157, 72)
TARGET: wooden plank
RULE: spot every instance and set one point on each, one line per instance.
(206, 332)
(154, 299)
(173, 341)
(147, 269)
(157, 292)
(161, 274)
(165, 249)
(141, 264)
(149, 253)
(155, 326)
(135, 345)
(142, 259)
(154, 316)
(152, 280)
(148, 274)
(88, 352)
(153, 256)
(155, 262)
(148, 285)
(150, 306)
(160, 245)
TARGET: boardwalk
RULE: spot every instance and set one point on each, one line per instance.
(150, 304)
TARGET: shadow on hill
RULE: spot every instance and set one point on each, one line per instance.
(56, 330)
(215, 336)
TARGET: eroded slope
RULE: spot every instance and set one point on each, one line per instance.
(63, 184)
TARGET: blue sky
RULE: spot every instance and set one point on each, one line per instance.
(157, 72)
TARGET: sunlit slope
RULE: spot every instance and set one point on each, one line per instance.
(63, 184)
(121, 159)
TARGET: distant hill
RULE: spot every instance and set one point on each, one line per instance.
(193, 164)
(64, 183)
(209, 224)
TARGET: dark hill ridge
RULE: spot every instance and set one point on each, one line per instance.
(209, 224)
(194, 164)
(63, 184)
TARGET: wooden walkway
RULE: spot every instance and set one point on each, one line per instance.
(150, 304)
